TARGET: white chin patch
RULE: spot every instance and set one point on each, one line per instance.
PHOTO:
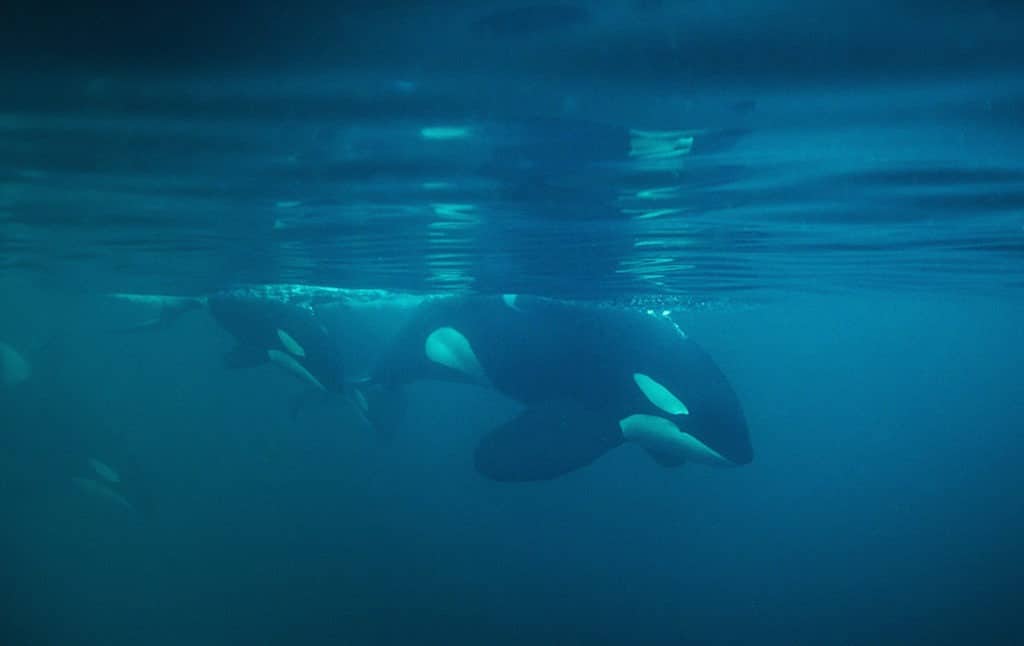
(659, 395)
(448, 347)
(661, 436)
(292, 366)
(510, 300)
(290, 344)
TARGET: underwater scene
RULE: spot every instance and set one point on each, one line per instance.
(512, 322)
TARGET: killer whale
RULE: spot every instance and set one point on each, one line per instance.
(99, 480)
(289, 335)
(590, 378)
(276, 324)
(266, 327)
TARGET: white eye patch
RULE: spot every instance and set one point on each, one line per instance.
(659, 395)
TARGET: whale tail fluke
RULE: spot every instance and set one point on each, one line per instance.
(545, 442)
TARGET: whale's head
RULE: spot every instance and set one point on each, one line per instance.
(686, 410)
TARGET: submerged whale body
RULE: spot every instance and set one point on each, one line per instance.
(590, 378)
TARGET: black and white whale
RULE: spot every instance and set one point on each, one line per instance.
(590, 378)
(289, 335)
(99, 480)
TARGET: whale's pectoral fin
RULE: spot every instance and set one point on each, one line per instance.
(545, 442)
(244, 356)
(665, 459)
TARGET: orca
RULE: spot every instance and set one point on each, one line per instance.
(589, 377)
(289, 335)
(101, 482)
(270, 324)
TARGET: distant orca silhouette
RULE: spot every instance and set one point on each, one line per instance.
(100, 480)
(590, 378)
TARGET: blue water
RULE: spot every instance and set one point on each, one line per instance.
(828, 197)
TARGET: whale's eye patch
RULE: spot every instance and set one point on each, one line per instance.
(659, 395)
